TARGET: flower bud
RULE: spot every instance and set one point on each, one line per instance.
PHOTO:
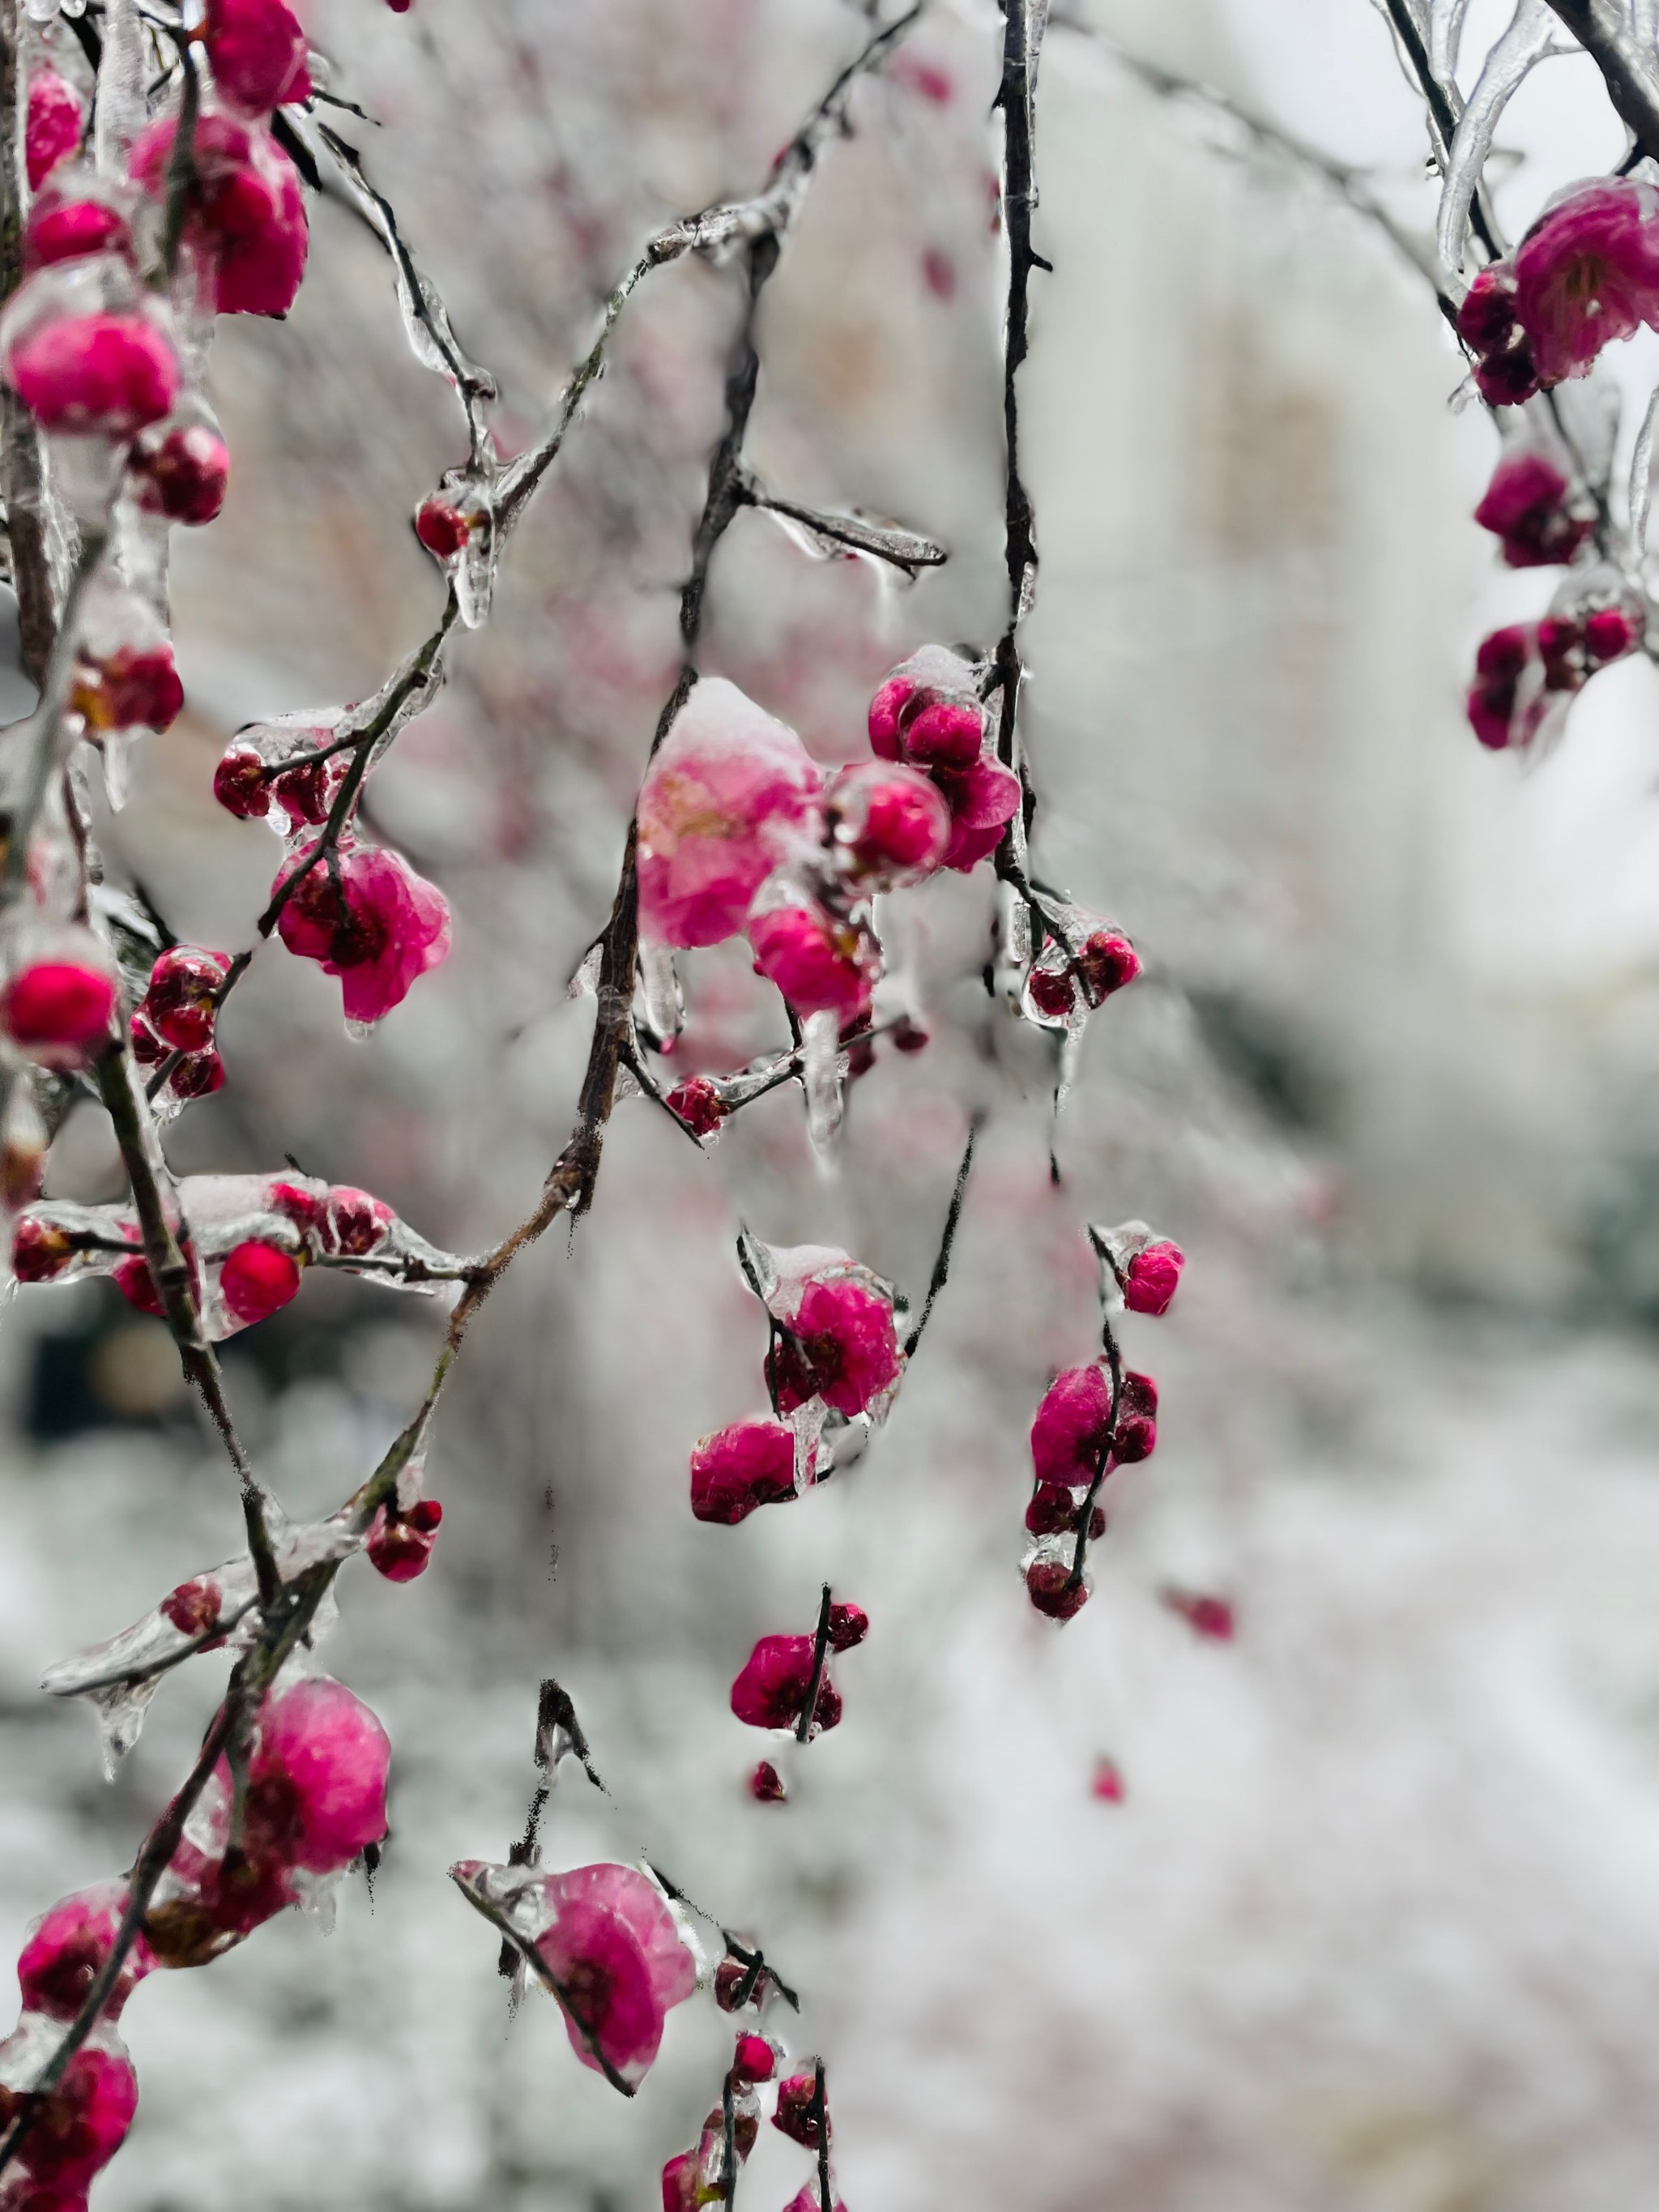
(258, 54)
(770, 1692)
(1055, 1590)
(755, 2059)
(400, 1548)
(820, 964)
(181, 472)
(58, 1011)
(52, 131)
(107, 376)
(256, 1279)
(848, 1626)
(180, 1005)
(1150, 1279)
(748, 1464)
(799, 2114)
(888, 825)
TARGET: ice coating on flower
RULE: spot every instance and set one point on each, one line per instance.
(1150, 1279)
(770, 1690)
(102, 375)
(846, 1346)
(1505, 373)
(52, 131)
(70, 219)
(247, 214)
(256, 1279)
(798, 2114)
(58, 1011)
(748, 1464)
(1055, 1590)
(180, 1005)
(1587, 273)
(619, 1962)
(927, 711)
(65, 1948)
(888, 825)
(193, 1075)
(441, 528)
(739, 1987)
(79, 2128)
(848, 1626)
(766, 1784)
(1072, 1427)
(754, 2058)
(1528, 506)
(822, 963)
(983, 801)
(400, 1546)
(699, 1105)
(132, 687)
(251, 782)
(1136, 1433)
(730, 792)
(317, 1782)
(257, 51)
(181, 472)
(363, 915)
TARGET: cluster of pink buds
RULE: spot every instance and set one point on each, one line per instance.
(1526, 673)
(782, 1674)
(706, 2174)
(1585, 274)
(58, 1004)
(248, 1238)
(359, 911)
(1093, 1419)
(174, 1023)
(1534, 510)
(456, 524)
(315, 1801)
(927, 713)
(606, 1942)
(1084, 960)
(834, 1357)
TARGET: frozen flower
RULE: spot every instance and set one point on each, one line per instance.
(840, 1345)
(618, 1962)
(766, 1784)
(681, 2177)
(748, 1464)
(256, 1279)
(1135, 1433)
(738, 1986)
(729, 792)
(194, 1075)
(316, 1780)
(888, 825)
(246, 215)
(58, 1011)
(928, 712)
(821, 963)
(1587, 273)
(250, 781)
(66, 1949)
(102, 375)
(70, 220)
(848, 1626)
(770, 1692)
(1528, 505)
(52, 131)
(1072, 1427)
(258, 54)
(442, 527)
(983, 801)
(1212, 1618)
(1505, 372)
(755, 2059)
(363, 915)
(77, 2131)
(1505, 700)
(180, 1005)
(181, 472)
(194, 1607)
(810, 2198)
(699, 1105)
(1054, 1589)
(800, 2113)
(400, 1546)
(1150, 1279)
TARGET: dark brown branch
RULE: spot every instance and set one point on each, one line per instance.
(952, 1219)
(814, 1682)
(1600, 29)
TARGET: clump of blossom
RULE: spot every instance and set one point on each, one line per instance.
(192, 1075)
(131, 687)
(800, 2114)
(65, 1950)
(820, 962)
(52, 131)
(750, 1464)
(1056, 1588)
(1531, 507)
(1525, 674)
(771, 1690)
(105, 374)
(617, 1961)
(1489, 323)
(737, 1987)
(181, 470)
(181, 1003)
(75, 215)
(257, 51)
(730, 793)
(1587, 273)
(80, 2127)
(928, 714)
(315, 1801)
(1138, 1270)
(835, 1338)
(254, 781)
(399, 1544)
(56, 1011)
(1085, 960)
(698, 1103)
(246, 215)
(363, 915)
(1072, 1429)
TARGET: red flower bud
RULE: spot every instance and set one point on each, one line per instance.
(58, 1011)
(257, 1280)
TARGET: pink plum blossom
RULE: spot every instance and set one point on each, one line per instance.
(132, 687)
(1528, 507)
(848, 1626)
(821, 963)
(983, 800)
(364, 915)
(1072, 1427)
(65, 224)
(748, 1464)
(810, 2198)
(104, 375)
(1587, 273)
(841, 1345)
(1150, 1279)
(1209, 1616)
(58, 1011)
(247, 214)
(798, 2113)
(180, 1005)
(888, 825)
(52, 131)
(65, 1949)
(317, 1782)
(181, 472)
(771, 1689)
(619, 1963)
(400, 1547)
(928, 712)
(256, 1279)
(729, 794)
(1505, 372)
(78, 2129)
(257, 51)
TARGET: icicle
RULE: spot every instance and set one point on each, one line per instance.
(822, 1069)
(1012, 961)
(120, 1709)
(1641, 479)
(1531, 35)
(661, 998)
(119, 114)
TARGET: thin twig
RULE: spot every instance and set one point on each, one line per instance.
(953, 1216)
(814, 1682)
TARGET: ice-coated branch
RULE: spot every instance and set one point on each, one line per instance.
(904, 550)
(815, 1680)
(947, 1242)
(1631, 76)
